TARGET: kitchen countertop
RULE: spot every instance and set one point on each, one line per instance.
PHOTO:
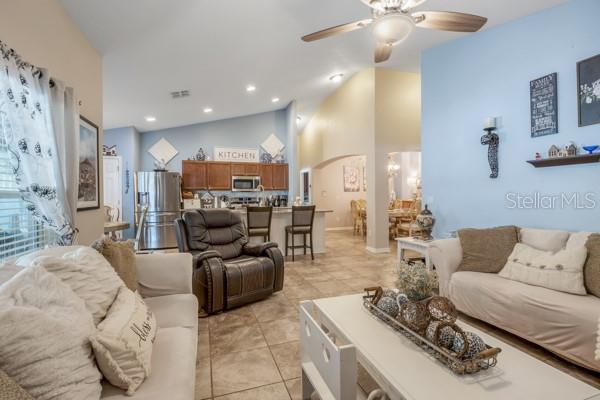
(276, 210)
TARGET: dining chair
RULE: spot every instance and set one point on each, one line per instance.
(303, 218)
(258, 222)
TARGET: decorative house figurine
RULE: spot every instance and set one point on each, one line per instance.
(199, 156)
(571, 150)
(562, 153)
(538, 156)
(553, 151)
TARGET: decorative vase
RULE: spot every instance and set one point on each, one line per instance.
(426, 221)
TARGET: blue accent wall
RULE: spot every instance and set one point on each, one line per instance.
(246, 132)
(488, 74)
(128, 143)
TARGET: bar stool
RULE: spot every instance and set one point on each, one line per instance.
(259, 222)
(302, 224)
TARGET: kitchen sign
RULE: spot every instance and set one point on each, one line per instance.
(236, 155)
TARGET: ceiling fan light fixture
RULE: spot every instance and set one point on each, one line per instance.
(337, 78)
(393, 28)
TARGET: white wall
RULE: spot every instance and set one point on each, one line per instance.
(328, 191)
(42, 32)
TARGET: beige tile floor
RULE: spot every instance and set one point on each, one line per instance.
(252, 352)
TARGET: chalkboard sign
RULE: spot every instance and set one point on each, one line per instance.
(544, 105)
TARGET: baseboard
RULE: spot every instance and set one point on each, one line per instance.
(340, 228)
(380, 250)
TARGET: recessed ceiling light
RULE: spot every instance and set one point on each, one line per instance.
(337, 78)
(150, 118)
(207, 110)
(275, 99)
(250, 88)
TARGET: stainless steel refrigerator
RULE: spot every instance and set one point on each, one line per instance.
(160, 192)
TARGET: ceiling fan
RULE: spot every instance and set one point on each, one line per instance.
(393, 21)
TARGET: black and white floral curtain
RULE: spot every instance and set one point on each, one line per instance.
(42, 141)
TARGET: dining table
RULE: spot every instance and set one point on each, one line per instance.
(394, 213)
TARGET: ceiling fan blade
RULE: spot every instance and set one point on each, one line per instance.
(375, 4)
(352, 26)
(449, 21)
(383, 52)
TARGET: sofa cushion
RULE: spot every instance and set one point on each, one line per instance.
(123, 341)
(173, 368)
(486, 250)
(561, 271)
(121, 256)
(564, 323)
(89, 275)
(44, 330)
(591, 269)
(174, 310)
(10, 390)
(544, 239)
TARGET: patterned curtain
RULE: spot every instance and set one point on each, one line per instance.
(42, 141)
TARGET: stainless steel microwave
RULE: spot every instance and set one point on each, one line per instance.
(245, 183)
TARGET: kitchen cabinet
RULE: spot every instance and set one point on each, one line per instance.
(280, 176)
(199, 175)
(219, 175)
(266, 176)
(245, 169)
(194, 175)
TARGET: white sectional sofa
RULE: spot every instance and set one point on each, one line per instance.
(165, 283)
(563, 323)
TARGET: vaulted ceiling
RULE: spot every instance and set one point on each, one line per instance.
(216, 48)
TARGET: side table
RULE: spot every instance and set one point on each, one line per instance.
(418, 245)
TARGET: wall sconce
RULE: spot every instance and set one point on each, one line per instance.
(491, 140)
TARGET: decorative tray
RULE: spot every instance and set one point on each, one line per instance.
(482, 360)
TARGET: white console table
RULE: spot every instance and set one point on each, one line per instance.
(418, 245)
(405, 372)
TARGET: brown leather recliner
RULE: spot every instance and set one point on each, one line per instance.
(228, 271)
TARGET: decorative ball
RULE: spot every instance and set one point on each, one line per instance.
(442, 309)
(474, 347)
(389, 306)
(415, 316)
(445, 334)
(401, 299)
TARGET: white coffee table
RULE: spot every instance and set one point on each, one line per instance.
(404, 371)
(418, 245)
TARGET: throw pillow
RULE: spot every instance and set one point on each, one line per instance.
(591, 270)
(123, 341)
(562, 271)
(544, 239)
(44, 338)
(10, 390)
(89, 275)
(486, 250)
(121, 256)
(8, 270)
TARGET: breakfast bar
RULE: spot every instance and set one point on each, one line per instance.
(282, 217)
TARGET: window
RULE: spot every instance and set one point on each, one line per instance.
(19, 231)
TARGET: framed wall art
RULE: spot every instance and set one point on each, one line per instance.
(588, 91)
(543, 93)
(88, 194)
(351, 179)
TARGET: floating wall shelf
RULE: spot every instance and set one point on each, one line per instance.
(558, 161)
